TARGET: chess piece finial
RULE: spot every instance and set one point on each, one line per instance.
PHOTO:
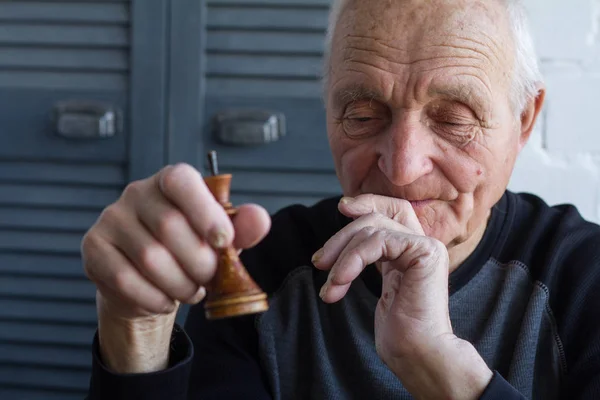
(232, 292)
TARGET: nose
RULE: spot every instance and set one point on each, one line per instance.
(405, 151)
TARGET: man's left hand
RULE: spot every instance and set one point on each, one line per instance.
(413, 332)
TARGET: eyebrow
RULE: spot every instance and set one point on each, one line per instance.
(462, 93)
(354, 92)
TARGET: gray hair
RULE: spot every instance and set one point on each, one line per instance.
(526, 71)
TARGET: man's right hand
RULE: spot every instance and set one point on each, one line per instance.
(153, 249)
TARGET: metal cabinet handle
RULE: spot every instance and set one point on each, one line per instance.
(83, 119)
(248, 127)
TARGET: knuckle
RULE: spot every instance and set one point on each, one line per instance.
(403, 203)
(88, 243)
(205, 265)
(174, 177)
(367, 197)
(170, 223)
(194, 298)
(355, 254)
(111, 214)
(152, 256)
(381, 235)
(122, 281)
(89, 271)
(436, 246)
(89, 248)
(434, 250)
(133, 191)
(367, 231)
(185, 291)
(372, 219)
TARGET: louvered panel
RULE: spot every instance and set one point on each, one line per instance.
(51, 242)
(21, 377)
(45, 356)
(46, 334)
(267, 55)
(31, 394)
(37, 58)
(304, 147)
(258, 49)
(58, 80)
(79, 290)
(26, 121)
(260, 87)
(249, 42)
(278, 3)
(281, 183)
(112, 175)
(41, 41)
(40, 264)
(65, 12)
(304, 18)
(56, 196)
(46, 219)
(52, 189)
(307, 67)
(55, 312)
(88, 36)
(272, 203)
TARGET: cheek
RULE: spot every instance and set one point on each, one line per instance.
(353, 160)
(465, 168)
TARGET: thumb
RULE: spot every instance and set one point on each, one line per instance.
(397, 209)
(251, 225)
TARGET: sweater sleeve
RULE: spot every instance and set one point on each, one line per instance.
(500, 389)
(171, 383)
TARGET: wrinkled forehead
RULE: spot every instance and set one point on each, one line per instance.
(415, 27)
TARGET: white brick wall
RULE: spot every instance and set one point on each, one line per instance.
(561, 163)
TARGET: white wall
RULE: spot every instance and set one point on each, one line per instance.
(561, 164)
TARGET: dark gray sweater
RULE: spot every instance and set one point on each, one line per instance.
(528, 298)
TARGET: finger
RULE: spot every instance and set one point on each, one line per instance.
(363, 249)
(171, 228)
(251, 223)
(151, 258)
(409, 252)
(397, 209)
(327, 256)
(184, 187)
(108, 268)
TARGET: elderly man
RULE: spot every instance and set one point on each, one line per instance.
(427, 280)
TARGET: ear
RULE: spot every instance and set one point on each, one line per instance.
(530, 114)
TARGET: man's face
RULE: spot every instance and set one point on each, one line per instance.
(418, 108)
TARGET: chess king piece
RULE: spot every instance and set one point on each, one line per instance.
(232, 292)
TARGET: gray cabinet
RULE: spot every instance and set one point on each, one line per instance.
(169, 66)
(52, 188)
(265, 55)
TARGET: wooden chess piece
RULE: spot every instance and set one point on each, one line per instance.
(232, 292)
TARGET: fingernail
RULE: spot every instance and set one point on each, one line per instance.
(324, 290)
(218, 239)
(161, 182)
(347, 200)
(330, 278)
(317, 256)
